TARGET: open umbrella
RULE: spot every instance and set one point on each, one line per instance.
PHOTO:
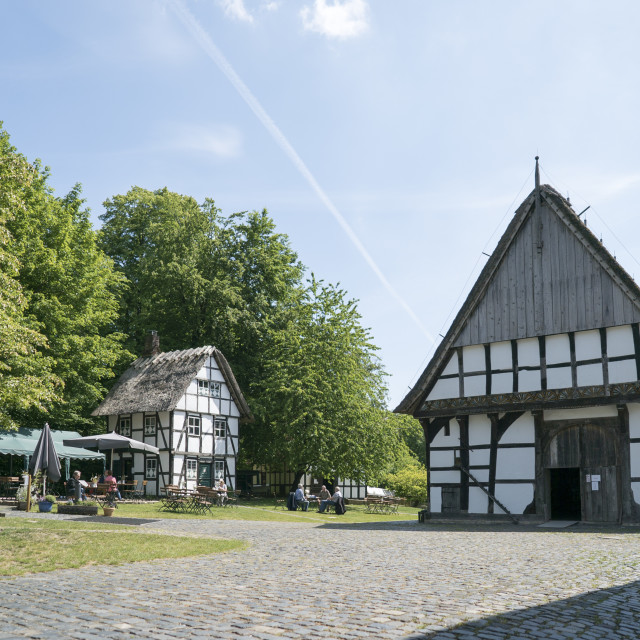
(45, 458)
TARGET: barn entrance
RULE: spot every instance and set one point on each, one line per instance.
(565, 494)
(581, 470)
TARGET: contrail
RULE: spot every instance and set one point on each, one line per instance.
(207, 44)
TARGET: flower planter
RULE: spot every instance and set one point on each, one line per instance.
(77, 509)
(108, 511)
(22, 506)
(45, 506)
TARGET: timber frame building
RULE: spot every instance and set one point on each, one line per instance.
(531, 402)
(186, 403)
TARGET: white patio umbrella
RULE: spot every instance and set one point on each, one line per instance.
(110, 441)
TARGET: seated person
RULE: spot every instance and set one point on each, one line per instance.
(75, 489)
(323, 494)
(113, 484)
(300, 500)
(334, 498)
(221, 488)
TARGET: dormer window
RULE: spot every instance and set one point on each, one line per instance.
(208, 388)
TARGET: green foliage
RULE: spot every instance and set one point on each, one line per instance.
(320, 399)
(68, 286)
(409, 482)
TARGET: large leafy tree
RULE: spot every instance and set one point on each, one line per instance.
(26, 378)
(322, 394)
(69, 287)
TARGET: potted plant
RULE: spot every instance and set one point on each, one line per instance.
(21, 497)
(46, 502)
(109, 503)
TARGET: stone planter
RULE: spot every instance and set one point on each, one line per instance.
(22, 506)
(78, 509)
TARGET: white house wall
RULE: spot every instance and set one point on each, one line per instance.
(596, 360)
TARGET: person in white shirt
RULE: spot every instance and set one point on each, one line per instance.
(334, 498)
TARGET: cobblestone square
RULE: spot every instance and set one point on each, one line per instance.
(327, 580)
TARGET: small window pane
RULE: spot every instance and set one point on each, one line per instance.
(149, 425)
(203, 387)
(220, 428)
(124, 427)
(192, 469)
(215, 389)
(193, 426)
(151, 468)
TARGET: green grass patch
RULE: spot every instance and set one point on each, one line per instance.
(34, 546)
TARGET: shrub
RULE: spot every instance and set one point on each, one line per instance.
(410, 483)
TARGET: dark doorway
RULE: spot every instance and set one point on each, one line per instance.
(565, 494)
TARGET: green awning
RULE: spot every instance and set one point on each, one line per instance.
(23, 441)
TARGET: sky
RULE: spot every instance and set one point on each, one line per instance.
(392, 141)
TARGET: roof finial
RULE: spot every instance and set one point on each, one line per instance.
(537, 173)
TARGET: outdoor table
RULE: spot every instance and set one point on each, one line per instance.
(127, 489)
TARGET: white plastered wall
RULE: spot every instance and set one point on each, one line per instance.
(515, 497)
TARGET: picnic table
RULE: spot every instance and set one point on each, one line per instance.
(380, 504)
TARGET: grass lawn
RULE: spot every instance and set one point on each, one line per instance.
(41, 544)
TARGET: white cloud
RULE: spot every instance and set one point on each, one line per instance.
(223, 141)
(346, 19)
(271, 6)
(236, 9)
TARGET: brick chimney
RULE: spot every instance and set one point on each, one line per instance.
(151, 344)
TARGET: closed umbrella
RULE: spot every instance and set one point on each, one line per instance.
(45, 458)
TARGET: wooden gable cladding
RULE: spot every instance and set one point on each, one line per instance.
(549, 281)
(548, 275)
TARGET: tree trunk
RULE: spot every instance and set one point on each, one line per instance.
(296, 479)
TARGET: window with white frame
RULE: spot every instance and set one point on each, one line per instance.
(220, 428)
(124, 426)
(208, 388)
(151, 468)
(150, 425)
(192, 469)
(193, 425)
(218, 469)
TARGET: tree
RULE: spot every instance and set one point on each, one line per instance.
(321, 397)
(68, 287)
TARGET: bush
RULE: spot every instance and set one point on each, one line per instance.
(410, 483)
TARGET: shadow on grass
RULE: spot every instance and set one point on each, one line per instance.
(606, 613)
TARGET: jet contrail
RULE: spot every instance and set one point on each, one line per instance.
(207, 44)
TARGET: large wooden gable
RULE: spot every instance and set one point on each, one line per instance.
(548, 275)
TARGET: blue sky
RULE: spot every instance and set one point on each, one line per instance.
(392, 141)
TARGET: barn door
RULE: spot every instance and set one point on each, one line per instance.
(600, 496)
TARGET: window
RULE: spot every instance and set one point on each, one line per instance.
(149, 425)
(124, 426)
(218, 469)
(193, 426)
(192, 469)
(220, 428)
(151, 468)
(207, 388)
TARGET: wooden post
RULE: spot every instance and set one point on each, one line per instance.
(29, 494)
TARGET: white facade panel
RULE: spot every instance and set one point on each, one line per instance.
(528, 353)
(588, 345)
(479, 457)
(522, 431)
(478, 501)
(558, 349)
(590, 374)
(620, 341)
(635, 487)
(181, 405)
(582, 412)
(220, 449)
(203, 374)
(529, 381)
(502, 383)
(447, 388)
(452, 365)
(515, 497)
(623, 371)
(634, 419)
(450, 477)
(479, 430)
(442, 440)
(635, 459)
(441, 459)
(516, 464)
(193, 387)
(191, 403)
(501, 357)
(559, 378)
(475, 385)
(216, 375)
(473, 358)
(233, 424)
(481, 475)
(435, 499)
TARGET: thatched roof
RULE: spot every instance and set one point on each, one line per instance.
(157, 382)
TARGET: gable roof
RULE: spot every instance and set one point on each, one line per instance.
(157, 382)
(548, 274)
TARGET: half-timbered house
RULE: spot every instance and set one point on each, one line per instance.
(531, 402)
(186, 403)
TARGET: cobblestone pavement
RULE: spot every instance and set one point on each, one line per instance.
(389, 580)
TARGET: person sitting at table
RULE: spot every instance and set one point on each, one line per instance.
(221, 488)
(324, 494)
(335, 498)
(300, 500)
(74, 487)
(113, 484)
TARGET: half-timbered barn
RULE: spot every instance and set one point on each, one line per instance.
(186, 403)
(531, 402)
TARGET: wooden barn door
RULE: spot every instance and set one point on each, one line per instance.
(600, 495)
